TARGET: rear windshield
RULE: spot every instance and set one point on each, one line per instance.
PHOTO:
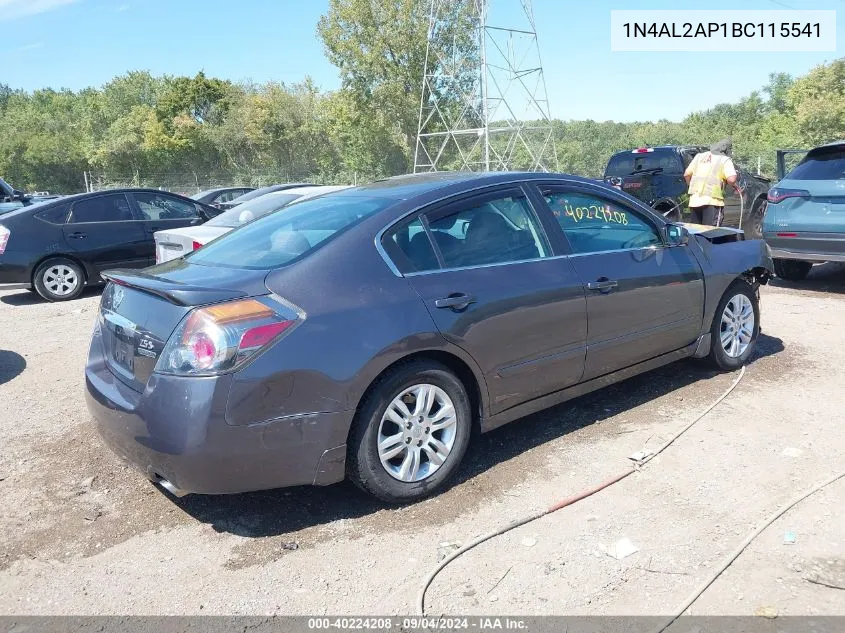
(251, 210)
(628, 163)
(279, 238)
(821, 164)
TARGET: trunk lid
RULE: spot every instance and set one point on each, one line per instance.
(141, 309)
(174, 243)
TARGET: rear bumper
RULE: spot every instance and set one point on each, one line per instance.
(806, 246)
(176, 431)
(782, 253)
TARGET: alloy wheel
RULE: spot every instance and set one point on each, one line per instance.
(737, 327)
(60, 280)
(417, 433)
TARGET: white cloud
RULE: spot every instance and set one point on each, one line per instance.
(28, 47)
(22, 49)
(14, 9)
(122, 8)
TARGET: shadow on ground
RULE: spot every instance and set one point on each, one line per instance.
(28, 298)
(12, 364)
(829, 277)
(285, 511)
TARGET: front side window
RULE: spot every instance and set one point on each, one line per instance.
(494, 232)
(109, 208)
(592, 224)
(157, 206)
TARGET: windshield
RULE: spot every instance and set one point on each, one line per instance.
(279, 238)
(628, 163)
(827, 163)
(251, 210)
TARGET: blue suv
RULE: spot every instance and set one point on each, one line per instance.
(805, 218)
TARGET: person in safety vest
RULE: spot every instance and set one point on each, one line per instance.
(706, 176)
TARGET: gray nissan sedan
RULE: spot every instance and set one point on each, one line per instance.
(367, 333)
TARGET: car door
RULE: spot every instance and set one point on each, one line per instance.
(161, 211)
(486, 271)
(103, 231)
(644, 298)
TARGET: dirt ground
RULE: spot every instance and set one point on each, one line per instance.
(80, 533)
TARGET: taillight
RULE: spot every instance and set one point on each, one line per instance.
(4, 238)
(219, 338)
(778, 195)
(196, 245)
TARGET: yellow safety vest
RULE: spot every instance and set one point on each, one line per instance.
(707, 178)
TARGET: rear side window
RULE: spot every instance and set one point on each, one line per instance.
(630, 163)
(821, 164)
(279, 238)
(54, 215)
(410, 249)
(496, 231)
(109, 208)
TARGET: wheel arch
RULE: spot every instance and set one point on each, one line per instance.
(85, 269)
(470, 378)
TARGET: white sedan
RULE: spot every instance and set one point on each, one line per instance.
(177, 242)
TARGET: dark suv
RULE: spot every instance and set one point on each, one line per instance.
(655, 175)
(11, 198)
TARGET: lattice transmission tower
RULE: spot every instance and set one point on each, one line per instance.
(484, 105)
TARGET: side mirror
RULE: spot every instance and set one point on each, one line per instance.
(676, 235)
(18, 195)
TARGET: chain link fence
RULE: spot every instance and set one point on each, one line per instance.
(189, 183)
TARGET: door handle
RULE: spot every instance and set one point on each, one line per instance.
(456, 301)
(77, 235)
(603, 284)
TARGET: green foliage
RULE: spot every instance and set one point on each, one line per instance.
(186, 133)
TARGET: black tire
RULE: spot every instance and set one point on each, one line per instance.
(753, 225)
(42, 287)
(363, 464)
(718, 355)
(792, 269)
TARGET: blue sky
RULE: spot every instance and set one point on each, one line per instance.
(79, 43)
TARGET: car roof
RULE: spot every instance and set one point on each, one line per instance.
(412, 185)
(51, 202)
(261, 191)
(205, 192)
(832, 144)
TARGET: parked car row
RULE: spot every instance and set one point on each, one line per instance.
(801, 218)
(58, 247)
(171, 244)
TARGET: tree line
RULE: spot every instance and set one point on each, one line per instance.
(187, 133)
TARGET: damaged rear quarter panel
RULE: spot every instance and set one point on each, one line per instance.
(724, 256)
